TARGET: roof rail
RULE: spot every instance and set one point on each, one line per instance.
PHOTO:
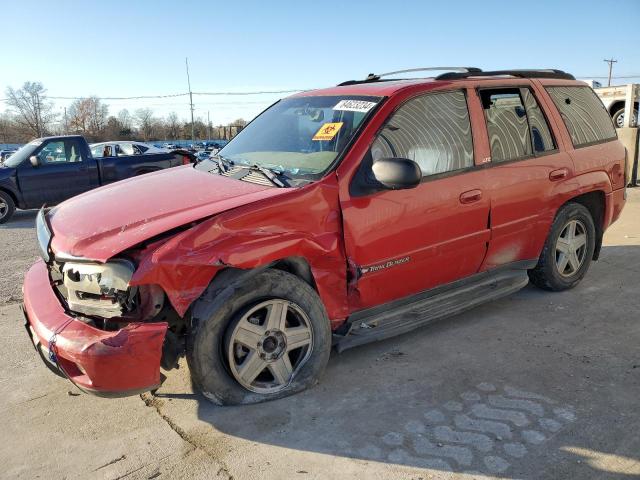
(541, 73)
(372, 77)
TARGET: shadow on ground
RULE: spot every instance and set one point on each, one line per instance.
(539, 384)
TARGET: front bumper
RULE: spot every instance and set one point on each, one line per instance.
(106, 363)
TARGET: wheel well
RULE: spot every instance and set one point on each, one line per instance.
(13, 197)
(617, 105)
(297, 266)
(595, 203)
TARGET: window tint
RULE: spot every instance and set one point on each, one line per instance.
(540, 132)
(583, 114)
(54, 153)
(433, 130)
(507, 124)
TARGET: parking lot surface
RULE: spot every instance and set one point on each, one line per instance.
(536, 385)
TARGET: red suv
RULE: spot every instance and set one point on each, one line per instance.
(337, 217)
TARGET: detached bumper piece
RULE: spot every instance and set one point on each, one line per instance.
(105, 363)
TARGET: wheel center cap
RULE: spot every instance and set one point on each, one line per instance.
(270, 344)
(273, 345)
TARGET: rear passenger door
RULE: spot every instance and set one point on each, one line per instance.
(526, 174)
(401, 242)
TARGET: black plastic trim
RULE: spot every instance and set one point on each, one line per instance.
(405, 314)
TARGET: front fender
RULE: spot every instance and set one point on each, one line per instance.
(307, 223)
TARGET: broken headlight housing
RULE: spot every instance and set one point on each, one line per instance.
(100, 290)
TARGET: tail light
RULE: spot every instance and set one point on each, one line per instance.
(186, 160)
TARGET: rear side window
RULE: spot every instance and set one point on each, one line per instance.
(507, 124)
(433, 130)
(584, 115)
(540, 133)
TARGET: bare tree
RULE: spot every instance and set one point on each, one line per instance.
(145, 120)
(88, 116)
(32, 111)
(173, 126)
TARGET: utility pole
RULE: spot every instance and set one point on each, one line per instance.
(66, 128)
(193, 135)
(208, 127)
(611, 61)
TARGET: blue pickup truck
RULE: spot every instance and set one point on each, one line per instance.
(47, 171)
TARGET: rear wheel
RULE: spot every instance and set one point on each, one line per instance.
(618, 118)
(568, 250)
(7, 207)
(263, 338)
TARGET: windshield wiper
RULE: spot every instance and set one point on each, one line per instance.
(271, 174)
(224, 164)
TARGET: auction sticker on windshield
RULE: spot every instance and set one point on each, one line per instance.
(327, 131)
(354, 105)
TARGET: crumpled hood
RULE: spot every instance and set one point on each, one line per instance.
(104, 222)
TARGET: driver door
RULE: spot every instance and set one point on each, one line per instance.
(402, 242)
(62, 173)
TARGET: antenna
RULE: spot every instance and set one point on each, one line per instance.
(193, 135)
(611, 61)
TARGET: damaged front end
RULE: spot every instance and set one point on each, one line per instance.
(88, 322)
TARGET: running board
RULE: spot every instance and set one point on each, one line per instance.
(405, 315)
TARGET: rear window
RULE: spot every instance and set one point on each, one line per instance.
(584, 115)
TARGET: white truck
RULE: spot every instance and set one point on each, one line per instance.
(614, 98)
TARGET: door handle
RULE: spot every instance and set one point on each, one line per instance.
(559, 174)
(471, 196)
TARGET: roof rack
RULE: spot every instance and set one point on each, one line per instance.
(372, 77)
(541, 73)
(457, 73)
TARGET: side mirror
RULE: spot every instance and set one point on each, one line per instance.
(397, 173)
(34, 160)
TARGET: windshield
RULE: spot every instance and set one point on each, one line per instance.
(21, 155)
(300, 135)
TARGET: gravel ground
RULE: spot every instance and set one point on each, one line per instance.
(18, 251)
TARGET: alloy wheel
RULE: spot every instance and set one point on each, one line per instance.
(268, 345)
(4, 208)
(571, 248)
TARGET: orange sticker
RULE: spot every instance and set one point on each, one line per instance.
(327, 131)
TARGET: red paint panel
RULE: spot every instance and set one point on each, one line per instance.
(103, 222)
(113, 362)
(305, 223)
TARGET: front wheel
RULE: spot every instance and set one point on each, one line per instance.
(263, 338)
(568, 250)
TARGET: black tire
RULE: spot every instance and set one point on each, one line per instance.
(7, 207)
(546, 274)
(618, 117)
(220, 308)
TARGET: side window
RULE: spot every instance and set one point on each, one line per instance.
(540, 133)
(584, 115)
(96, 151)
(63, 151)
(433, 130)
(507, 124)
(126, 149)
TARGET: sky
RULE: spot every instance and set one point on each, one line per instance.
(131, 48)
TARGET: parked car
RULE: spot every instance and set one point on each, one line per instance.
(4, 154)
(123, 149)
(52, 169)
(335, 218)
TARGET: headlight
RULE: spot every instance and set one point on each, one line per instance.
(44, 235)
(100, 289)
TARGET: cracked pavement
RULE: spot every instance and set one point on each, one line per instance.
(536, 385)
